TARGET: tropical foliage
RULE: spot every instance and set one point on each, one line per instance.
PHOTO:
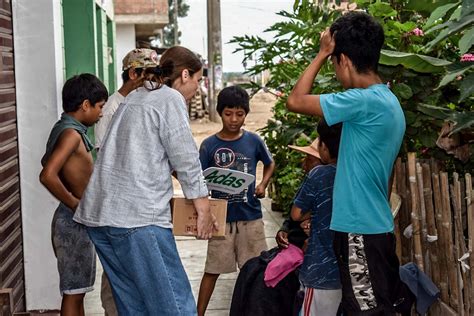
(425, 60)
(168, 31)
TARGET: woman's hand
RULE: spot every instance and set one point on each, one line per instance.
(206, 221)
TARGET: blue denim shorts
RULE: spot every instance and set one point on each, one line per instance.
(74, 251)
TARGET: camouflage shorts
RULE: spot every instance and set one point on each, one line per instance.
(74, 251)
(369, 270)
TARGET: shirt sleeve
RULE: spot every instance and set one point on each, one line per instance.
(264, 154)
(285, 227)
(303, 197)
(347, 106)
(103, 124)
(100, 128)
(204, 156)
(182, 152)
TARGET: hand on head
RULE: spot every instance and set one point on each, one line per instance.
(326, 43)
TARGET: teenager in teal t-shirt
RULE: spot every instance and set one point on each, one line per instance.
(373, 129)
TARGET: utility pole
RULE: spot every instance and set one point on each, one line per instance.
(175, 22)
(214, 55)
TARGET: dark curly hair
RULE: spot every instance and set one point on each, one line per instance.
(330, 136)
(233, 97)
(360, 37)
(83, 87)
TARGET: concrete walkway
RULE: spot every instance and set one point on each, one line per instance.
(193, 256)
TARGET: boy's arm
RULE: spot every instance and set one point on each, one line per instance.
(298, 215)
(181, 149)
(67, 143)
(304, 199)
(285, 227)
(282, 234)
(267, 174)
(300, 99)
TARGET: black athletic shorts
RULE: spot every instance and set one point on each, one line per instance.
(369, 270)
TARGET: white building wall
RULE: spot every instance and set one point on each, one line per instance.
(37, 28)
(108, 6)
(125, 42)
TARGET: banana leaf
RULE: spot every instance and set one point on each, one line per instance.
(462, 120)
(416, 62)
(452, 27)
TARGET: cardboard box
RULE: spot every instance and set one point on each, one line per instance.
(185, 216)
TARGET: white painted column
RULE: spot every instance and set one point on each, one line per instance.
(38, 49)
(125, 37)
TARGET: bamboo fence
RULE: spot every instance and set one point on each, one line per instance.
(435, 229)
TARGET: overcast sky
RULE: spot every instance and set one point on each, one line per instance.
(237, 18)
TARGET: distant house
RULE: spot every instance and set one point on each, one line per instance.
(138, 22)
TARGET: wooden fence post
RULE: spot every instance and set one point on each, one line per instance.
(446, 226)
(415, 213)
(431, 222)
(424, 231)
(407, 215)
(463, 285)
(403, 220)
(441, 242)
(470, 227)
(398, 229)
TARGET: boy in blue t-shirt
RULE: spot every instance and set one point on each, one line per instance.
(373, 129)
(237, 149)
(319, 273)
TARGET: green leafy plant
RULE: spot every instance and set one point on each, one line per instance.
(421, 61)
(286, 56)
(168, 31)
(438, 80)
